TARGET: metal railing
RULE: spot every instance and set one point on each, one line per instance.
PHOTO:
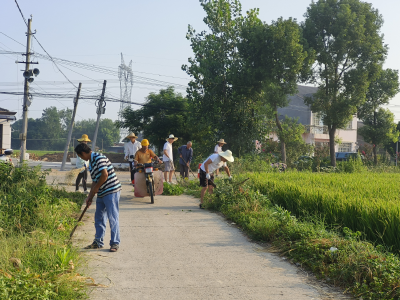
(317, 129)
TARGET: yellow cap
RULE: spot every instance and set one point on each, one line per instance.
(145, 142)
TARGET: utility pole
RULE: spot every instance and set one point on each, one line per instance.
(26, 94)
(101, 109)
(70, 128)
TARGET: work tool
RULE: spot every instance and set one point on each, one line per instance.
(80, 218)
(189, 167)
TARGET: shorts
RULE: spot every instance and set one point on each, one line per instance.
(168, 166)
(203, 180)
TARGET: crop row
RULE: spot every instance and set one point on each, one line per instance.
(365, 202)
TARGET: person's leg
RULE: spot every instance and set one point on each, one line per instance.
(84, 181)
(186, 168)
(111, 202)
(78, 181)
(100, 221)
(170, 175)
(210, 189)
(182, 170)
(132, 171)
(202, 193)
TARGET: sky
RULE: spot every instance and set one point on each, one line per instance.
(151, 34)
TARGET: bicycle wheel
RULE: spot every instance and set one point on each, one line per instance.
(151, 192)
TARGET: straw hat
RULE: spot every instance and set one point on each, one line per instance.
(131, 135)
(171, 136)
(221, 141)
(84, 138)
(227, 155)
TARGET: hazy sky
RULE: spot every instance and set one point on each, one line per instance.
(150, 33)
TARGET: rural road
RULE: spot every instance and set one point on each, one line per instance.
(173, 250)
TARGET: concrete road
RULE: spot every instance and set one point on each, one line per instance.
(173, 250)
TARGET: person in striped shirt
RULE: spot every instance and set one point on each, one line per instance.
(108, 188)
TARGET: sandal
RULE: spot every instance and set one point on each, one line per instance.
(114, 248)
(93, 245)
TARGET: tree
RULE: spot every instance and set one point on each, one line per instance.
(273, 61)
(164, 113)
(379, 128)
(380, 91)
(220, 106)
(345, 35)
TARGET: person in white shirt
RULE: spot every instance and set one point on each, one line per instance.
(218, 149)
(211, 164)
(130, 151)
(81, 164)
(168, 158)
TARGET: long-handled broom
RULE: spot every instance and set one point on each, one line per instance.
(80, 218)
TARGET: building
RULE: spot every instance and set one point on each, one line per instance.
(6, 117)
(316, 132)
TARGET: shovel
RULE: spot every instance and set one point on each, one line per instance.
(80, 218)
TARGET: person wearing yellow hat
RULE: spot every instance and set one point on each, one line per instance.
(144, 155)
(80, 164)
(131, 148)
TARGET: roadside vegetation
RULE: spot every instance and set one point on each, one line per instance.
(36, 261)
(341, 223)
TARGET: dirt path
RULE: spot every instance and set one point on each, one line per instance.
(174, 250)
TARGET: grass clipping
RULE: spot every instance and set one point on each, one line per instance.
(70, 177)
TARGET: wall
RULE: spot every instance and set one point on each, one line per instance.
(6, 134)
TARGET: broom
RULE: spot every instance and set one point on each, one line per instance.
(80, 218)
(71, 175)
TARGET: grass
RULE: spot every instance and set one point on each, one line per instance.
(37, 152)
(37, 261)
(338, 256)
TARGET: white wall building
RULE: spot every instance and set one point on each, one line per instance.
(6, 117)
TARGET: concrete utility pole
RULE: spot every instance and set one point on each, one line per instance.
(26, 95)
(71, 128)
(101, 109)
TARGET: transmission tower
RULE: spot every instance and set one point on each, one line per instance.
(125, 75)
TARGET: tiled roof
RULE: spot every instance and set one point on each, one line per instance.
(3, 109)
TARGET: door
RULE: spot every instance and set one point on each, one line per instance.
(1, 136)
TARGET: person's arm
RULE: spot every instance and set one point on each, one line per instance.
(180, 151)
(96, 187)
(190, 157)
(126, 150)
(135, 161)
(216, 149)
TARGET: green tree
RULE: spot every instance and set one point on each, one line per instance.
(379, 128)
(345, 35)
(220, 106)
(164, 113)
(273, 61)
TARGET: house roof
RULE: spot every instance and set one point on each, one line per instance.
(6, 112)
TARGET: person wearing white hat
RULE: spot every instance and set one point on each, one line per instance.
(211, 164)
(218, 149)
(130, 151)
(168, 158)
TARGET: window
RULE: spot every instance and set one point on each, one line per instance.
(317, 120)
(350, 125)
(344, 147)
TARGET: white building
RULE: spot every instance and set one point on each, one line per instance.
(316, 132)
(6, 117)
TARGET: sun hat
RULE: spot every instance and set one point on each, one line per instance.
(84, 138)
(171, 136)
(131, 135)
(221, 141)
(145, 142)
(227, 155)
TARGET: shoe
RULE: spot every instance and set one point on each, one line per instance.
(86, 192)
(201, 206)
(93, 245)
(114, 248)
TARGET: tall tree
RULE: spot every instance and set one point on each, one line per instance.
(273, 61)
(164, 113)
(380, 91)
(345, 35)
(221, 108)
(379, 128)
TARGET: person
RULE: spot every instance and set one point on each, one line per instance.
(80, 164)
(108, 189)
(212, 163)
(144, 155)
(218, 149)
(131, 148)
(168, 158)
(186, 156)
